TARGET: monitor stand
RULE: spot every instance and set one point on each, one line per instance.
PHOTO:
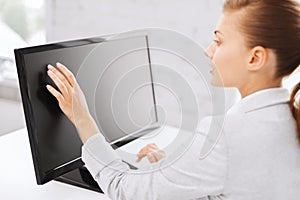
(80, 177)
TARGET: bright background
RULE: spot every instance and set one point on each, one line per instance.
(32, 22)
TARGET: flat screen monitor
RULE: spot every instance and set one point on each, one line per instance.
(115, 76)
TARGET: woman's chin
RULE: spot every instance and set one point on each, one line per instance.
(216, 83)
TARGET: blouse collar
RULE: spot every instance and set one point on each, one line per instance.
(261, 99)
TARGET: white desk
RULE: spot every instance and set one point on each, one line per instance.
(17, 178)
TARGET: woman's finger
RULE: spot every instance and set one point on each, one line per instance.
(60, 76)
(156, 156)
(142, 154)
(59, 83)
(144, 151)
(55, 93)
(152, 157)
(140, 158)
(160, 154)
(149, 148)
(67, 73)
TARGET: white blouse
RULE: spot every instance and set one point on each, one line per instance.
(251, 153)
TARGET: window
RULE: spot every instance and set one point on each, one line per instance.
(22, 23)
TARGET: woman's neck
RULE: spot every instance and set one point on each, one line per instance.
(255, 86)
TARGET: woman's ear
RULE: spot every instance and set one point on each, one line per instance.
(257, 59)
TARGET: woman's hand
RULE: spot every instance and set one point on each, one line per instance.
(71, 100)
(153, 153)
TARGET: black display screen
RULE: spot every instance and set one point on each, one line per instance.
(114, 74)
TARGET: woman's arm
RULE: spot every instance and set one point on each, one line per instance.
(71, 100)
(186, 176)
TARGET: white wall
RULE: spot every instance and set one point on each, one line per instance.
(70, 19)
(80, 18)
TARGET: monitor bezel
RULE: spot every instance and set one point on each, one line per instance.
(41, 176)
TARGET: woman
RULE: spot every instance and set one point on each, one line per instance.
(257, 155)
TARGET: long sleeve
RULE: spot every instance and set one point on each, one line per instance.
(189, 176)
